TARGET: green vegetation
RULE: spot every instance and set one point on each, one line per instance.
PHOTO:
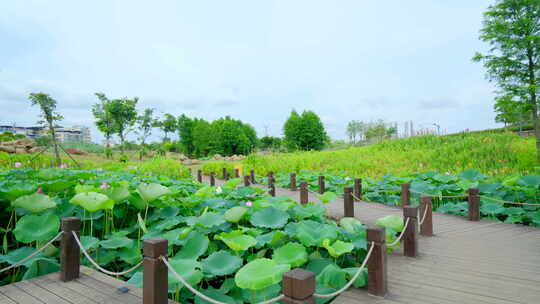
(49, 117)
(233, 243)
(8, 136)
(304, 132)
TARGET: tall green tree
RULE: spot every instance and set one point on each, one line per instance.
(202, 137)
(511, 111)
(512, 29)
(292, 131)
(145, 123)
(185, 134)
(304, 132)
(168, 125)
(49, 117)
(123, 113)
(104, 121)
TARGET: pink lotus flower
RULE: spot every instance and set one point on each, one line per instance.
(81, 181)
(18, 165)
(104, 186)
(63, 166)
(39, 191)
(249, 204)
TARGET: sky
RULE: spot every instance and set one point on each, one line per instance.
(253, 60)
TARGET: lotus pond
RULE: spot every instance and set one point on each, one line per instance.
(233, 243)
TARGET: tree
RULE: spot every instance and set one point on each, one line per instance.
(49, 117)
(512, 29)
(185, 134)
(304, 132)
(145, 123)
(355, 129)
(510, 111)
(104, 121)
(202, 137)
(168, 125)
(270, 143)
(124, 115)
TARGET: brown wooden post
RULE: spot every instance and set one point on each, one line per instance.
(272, 186)
(225, 174)
(410, 240)
(199, 175)
(474, 204)
(377, 270)
(236, 172)
(426, 229)
(270, 177)
(405, 194)
(293, 181)
(299, 286)
(155, 279)
(70, 254)
(212, 178)
(321, 185)
(358, 189)
(252, 174)
(348, 205)
(303, 193)
(246, 180)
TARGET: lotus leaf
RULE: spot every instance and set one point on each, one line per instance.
(293, 254)
(34, 202)
(236, 240)
(205, 192)
(327, 197)
(33, 227)
(393, 222)
(117, 194)
(308, 210)
(195, 246)
(18, 254)
(250, 296)
(221, 263)
(92, 201)
(89, 242)
(235, 214)
(41, 266)
(216, 295)
(188, 269)
(210, 219)
(338, 248)
(361, 281)
(130, 255)
(231, 184)
(348, 223)
(151, 192)
(311, 233)
(260, 273)
(117, 242)
(332, 276)
(269, 218)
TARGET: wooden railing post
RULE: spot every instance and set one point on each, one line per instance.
(474, 204)
(236, 173)
(252, 174)
(358, 189)
(70, 254)
(303, 193)
(410, 240)
(299, 287)
(377, 270)
(405, 194)
(321, 184)
(426, 228)
(270, 177)
(293, 181)
(199, 175)
(272, 186)
(212, 178)
(348, 202)
(155, 279)
(247, 180)
(225, 174)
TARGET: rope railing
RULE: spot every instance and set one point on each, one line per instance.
(439, 196)
(351, 281)
(402, 233)
(203, 296)
(21, 262)
(97, 265)
(421, 221)
(508, 202)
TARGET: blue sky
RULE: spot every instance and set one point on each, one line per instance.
(254, 60)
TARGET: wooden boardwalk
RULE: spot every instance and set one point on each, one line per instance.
(92, 287)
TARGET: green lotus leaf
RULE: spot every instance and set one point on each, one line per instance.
(235, 214)
(151, 192)
(188, 269)
(293, 254)
(41, 266)
(332, 276)
(348, 223)
(195, 246)
(311, 233)
(221, 263)
(89, 242)
(231, 184)
(327, 197)
(136, 201)
(85, 188)
(15, 256)
(205, 192)
(131, 255)
(92, 201)
(166, 224)
(33, 227)
(492, 208)
(271, 238)
(308, 210)
(216, 295)
(237, 240)
(117, 242)
(34, 202)
(338, 248)
(269, 218)
(210, 219)
(361, 281)
(393, 222)
(270, 292)
(16, 191)
(172, 236)
(117, 194)
(260, 273)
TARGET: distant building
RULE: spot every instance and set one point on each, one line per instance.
(63, 134)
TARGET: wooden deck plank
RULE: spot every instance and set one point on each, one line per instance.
(18, 295)
(41, 293)
(6, 300)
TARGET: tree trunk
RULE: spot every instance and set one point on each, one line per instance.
(121, 142)
(55, 144)
(108, 145)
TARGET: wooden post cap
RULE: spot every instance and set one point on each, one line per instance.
(71, 224)
(376, 234)
(410, 211)
(348, 189)
(154, 248)
(298, 284)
